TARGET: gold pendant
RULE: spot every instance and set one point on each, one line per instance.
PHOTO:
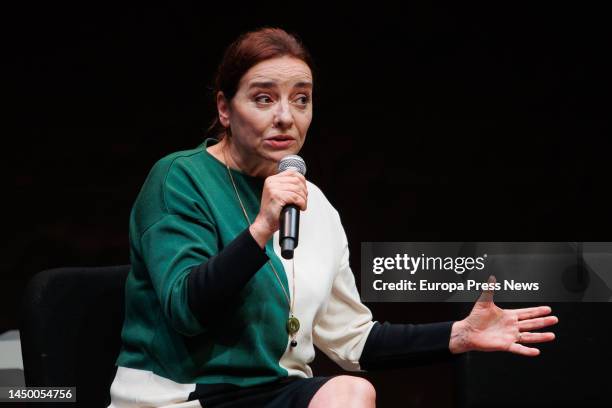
(293, 325)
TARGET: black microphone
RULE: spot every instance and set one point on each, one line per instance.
(290, 214)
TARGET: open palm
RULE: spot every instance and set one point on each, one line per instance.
(491, 328)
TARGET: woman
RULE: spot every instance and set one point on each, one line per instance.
(212, 310)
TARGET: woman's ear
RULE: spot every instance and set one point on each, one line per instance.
(223, 109)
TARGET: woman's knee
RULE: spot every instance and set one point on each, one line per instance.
(361, 387)
(346, 389)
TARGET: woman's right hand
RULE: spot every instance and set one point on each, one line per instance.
(287, 187)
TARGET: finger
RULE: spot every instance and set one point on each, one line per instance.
(531, 312)
(540, 322)
(524, 350)
(291, 190)
(285, 198)
(487, 295)
(295, 199)
(528, 337)
(282, 194)
(292, 175)
(289, 180)
(282, 185)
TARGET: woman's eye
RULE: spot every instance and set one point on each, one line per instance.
(302, 100)
(265, 99)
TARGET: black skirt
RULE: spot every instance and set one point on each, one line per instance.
(294, 392)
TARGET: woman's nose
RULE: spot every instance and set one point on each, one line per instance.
(283, 117)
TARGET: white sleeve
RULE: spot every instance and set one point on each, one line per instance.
(342, 329)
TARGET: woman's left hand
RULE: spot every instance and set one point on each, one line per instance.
(490, 328)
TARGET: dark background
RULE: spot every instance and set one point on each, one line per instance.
(479, 122)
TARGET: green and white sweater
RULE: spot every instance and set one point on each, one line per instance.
(204, 308)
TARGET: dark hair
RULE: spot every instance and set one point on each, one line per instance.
(246, 51)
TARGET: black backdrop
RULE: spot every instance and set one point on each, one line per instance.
(480, 122)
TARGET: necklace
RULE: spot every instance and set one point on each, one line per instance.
(293, 324)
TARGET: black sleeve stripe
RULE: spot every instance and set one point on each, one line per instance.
(224, 275)
(400, 345)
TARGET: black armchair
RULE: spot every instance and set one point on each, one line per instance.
(71, 330)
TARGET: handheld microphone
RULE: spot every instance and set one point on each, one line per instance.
(290, 214)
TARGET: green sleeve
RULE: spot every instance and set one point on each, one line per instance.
(180, 240)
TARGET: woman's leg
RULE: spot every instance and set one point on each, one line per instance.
(345, 391)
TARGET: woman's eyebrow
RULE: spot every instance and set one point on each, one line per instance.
(303, 85)
(266, 85)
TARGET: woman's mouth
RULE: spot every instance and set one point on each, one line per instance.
(279, 142)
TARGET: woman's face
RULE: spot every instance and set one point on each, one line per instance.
(270, 114)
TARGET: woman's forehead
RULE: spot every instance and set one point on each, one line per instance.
(278, 71)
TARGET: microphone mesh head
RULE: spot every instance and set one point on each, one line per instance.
(293, 162)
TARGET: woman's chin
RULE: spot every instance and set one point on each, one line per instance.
(277, 154)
